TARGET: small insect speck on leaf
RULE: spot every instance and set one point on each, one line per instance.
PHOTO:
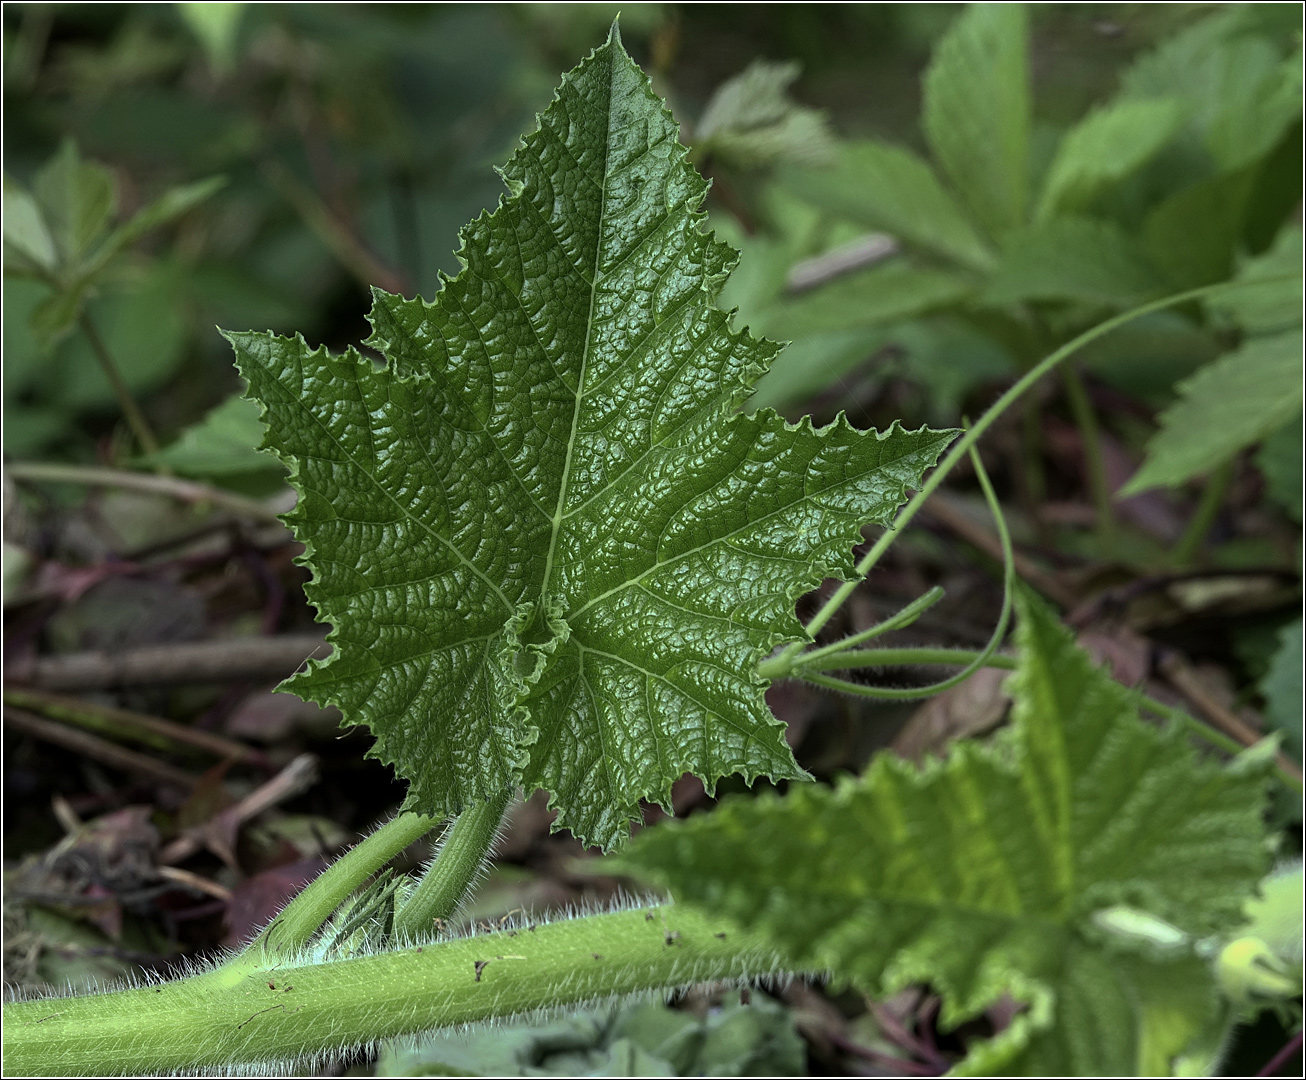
(745, 996)
(671, 937)
(479, 965)
(720, 936)
(597, 956)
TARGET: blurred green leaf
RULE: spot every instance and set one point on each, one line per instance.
(1076, 259)
(976, 112)
(172, 204)
(1239, 89)
(948, 358)
(53, 318)
(1226, 406)
(28, 246)
(1276, 305)
(752, 121)
(889, 187)
(1193, 234)
(225, 442)
(1280, 462)
(217, 25)
(1072, 865)
(143, 324)
(813, 363)
(1103, 148)
(889, 292)
(1145, 358)
(77, 201)
(1282, 687)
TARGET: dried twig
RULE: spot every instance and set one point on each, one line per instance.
(256, 658)
(190, 880)
(218, 834)
(186, 490)
(94, 747)
(1184, 679)
(152, 731)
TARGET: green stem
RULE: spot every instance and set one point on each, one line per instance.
(962, 447)
(1090, 434)
(464, 851)
(130, 410)
(882, 658)
(903, 618)
(801, 663)
(1217, 485)
(301, 1011)
(95, 476)
(307, 912)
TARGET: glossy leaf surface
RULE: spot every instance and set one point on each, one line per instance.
(551, 548)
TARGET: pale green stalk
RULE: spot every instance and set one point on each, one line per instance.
(1204, 516)
(465, 850)
(903, 618)
(1090, 434)
(999, 632)
(299, 1010)
(306, 913)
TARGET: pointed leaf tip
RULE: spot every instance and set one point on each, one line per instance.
(551, 551)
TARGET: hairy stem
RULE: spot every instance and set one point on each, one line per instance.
(962, 446)
(1090, 435)
(130, 410)
(464, 851)
(299, 1009)
(306, 913)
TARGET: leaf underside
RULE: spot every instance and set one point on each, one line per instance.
(989, 873)
(551, 548)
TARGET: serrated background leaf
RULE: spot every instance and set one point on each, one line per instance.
(752, 121)
(223, 443)
(981, 874)
(551, 550)
(1226, 406)
(889, 187)
(1072, 259)
(1276, 305)
(1282, 687)
(77, 202)
(1105, 147)
(976, 112)
(1280, 462)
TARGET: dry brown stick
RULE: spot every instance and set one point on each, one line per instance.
(254, 658)
(1184, 679)
(188, 491)
(958, 521)
(93, 746)
(151, 731)
(194, 881)
(219, 832)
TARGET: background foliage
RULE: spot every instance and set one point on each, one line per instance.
(922, 230)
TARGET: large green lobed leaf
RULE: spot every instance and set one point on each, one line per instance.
(551, 549)
(1072, 864)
